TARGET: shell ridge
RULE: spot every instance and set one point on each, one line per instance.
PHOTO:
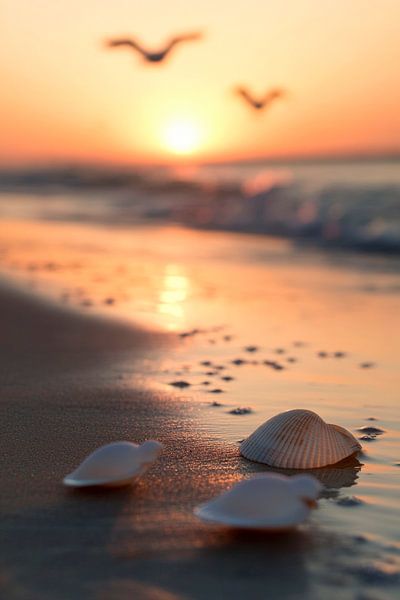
(312, 445)
(295, 454)
(337, 450)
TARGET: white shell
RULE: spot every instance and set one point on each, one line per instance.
(114, 465)
(270, 502)
(299, 439)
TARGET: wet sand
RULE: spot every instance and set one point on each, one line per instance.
(71, 382)
(61, 397)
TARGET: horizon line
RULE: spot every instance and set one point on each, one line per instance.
(192, 162)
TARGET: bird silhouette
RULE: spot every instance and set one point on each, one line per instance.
(260, 103)
(153, 56)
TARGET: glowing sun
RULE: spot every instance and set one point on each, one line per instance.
(182, 137)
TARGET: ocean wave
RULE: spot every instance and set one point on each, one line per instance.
(351, 214)
(347, 216)
(337, 215)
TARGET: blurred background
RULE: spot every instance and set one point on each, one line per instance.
(320, 162)
(65, 97)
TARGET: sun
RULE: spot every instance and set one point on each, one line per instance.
(182, 136)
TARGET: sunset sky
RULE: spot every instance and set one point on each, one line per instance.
(64, 97)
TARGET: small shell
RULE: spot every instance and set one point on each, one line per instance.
(270, 502)
(299, 439)
(114, 465)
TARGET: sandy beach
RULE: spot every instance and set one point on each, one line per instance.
(62, 396)
(74, 378)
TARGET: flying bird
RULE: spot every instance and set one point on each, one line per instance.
(260, 103)
(153, 56)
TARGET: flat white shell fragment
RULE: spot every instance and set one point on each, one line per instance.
(269, 501)
(115, 464)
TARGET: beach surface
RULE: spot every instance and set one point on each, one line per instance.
(73, 379)
(61, 397)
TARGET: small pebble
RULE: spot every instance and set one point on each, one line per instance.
(216, 391)
(369, 430)
(227, 338)
(280, 350)
(180, 384)
(349, 501)
(322, 354)
(251, 348)
(238, 361)
(227, 378)
(109, 301)
(339, 354)
(205, 383)
(210, 373)
(371, 419)
(216, 403)
(367, 438)
(367, 365)
(186, 334)
(206, 363)
(273, 365)
(291, 359)
(240, 411)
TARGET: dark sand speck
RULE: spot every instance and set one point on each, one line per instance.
(180, 384)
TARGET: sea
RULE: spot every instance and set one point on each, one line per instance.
(342, 203)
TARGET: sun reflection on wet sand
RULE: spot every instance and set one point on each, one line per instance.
(175, 288)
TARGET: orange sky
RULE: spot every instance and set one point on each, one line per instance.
(64, 97)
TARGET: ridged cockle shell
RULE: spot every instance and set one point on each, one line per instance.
(299, 439)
